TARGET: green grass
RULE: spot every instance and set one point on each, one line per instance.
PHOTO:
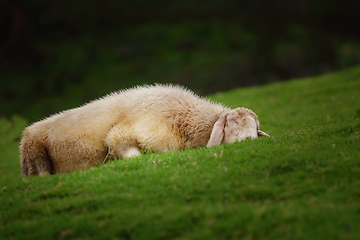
(303, 183)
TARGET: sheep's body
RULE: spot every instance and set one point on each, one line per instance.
(157, 118)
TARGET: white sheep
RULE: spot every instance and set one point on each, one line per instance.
(159, 118)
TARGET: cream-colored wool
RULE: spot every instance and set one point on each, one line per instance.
(159, 118)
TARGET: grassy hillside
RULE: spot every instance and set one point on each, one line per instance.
(303, 183)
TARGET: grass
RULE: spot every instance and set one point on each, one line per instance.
(303, 183)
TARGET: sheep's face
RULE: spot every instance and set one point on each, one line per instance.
(235, 126)
(240, 126)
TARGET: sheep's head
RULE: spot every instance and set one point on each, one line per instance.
(236, 125)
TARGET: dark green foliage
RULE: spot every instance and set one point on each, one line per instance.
(205, 55)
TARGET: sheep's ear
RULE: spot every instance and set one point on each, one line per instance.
(217, 134)
(262, 134)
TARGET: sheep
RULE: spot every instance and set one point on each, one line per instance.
(157, 118)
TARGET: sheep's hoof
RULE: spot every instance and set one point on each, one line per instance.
(132, 152)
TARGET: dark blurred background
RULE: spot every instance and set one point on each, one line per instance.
(56, 54)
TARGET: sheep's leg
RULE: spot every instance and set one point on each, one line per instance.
(124, 150)
(34, 157)
(121, 144)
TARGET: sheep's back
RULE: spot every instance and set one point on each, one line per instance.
(169, 116)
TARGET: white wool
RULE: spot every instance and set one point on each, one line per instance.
(159, 118)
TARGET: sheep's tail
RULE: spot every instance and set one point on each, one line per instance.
(34, 158)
